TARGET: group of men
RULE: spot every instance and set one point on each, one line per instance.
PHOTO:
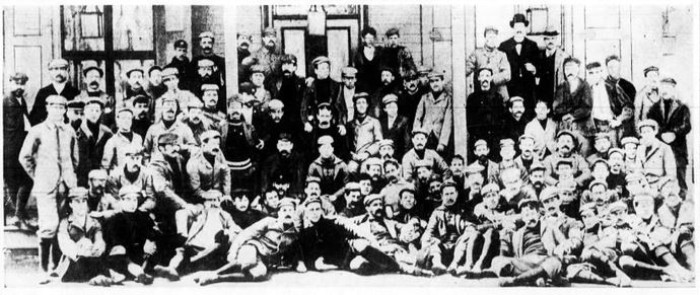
(569, 180)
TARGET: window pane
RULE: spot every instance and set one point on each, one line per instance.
(83, 26)
(120, 79)
(133, 27)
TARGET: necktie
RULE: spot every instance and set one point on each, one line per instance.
(58, 150)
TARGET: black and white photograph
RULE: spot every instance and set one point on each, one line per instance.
(418, 144)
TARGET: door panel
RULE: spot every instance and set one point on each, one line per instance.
(338, 49)
(601, 31)
(293, 40)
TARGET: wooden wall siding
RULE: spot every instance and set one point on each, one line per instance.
(384, 17)
(72, 30)
(208, 18)
(133, 28)
(172, 23)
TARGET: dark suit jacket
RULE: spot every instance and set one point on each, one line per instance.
(311, 100)
(398, 132)
(522, 82)
(678, 122)
(13, 127)
(38, 113)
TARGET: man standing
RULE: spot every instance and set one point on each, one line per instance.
(156, 87)
(572, 106)
(367, 61)
(396, 56)
(49, 155)
(244, 41)
(321, 89)
(410, 97)
(93, 76)
(142, 120)
(290, 87)
(550, 67)
(612, 63)
(267, 56)
(92, 138)
(522, 56)
(434, 114)
(18, 184)
(133, 87)
(206, 42)
(486, 109)
(673, 118)
(612, 109)
(345, 100)
(648, 96)
(180, 62)
(492, 59)
(58, 69)
(394, 126)
(515, 119)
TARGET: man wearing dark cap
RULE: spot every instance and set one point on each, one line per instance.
(75, 113)
(289, 88)
(133, 86)
(140, 105)
(515, 119)
(550, 66)
(572, 105)
(156, 87)
(194, 118)
(367, 61)
(673, 117)
(489, 57)
(395, 127)
(286, 160)
(601, 145)
(322, 88)
(409, 97)
(648, 95)
(93, 78)
(396, 56)
(566, 144)
(268, 56)
(364, 132)
(181, 62)
(325, 124)
(275, 122)
(15, 126)
(332, 171)
(345, 100)
(218, 69)
(49, 155)
(58, 69)
(244, 41)
(168, 123)
(486, 109)
(522, 56)
(240, 145)
(92, 138)
(434, 114)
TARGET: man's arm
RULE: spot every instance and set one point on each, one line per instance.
(446, 130)
(28, 150)
(502, 76)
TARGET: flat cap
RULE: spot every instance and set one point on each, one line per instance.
(312, 179)
(56, 99)
(287, 202)
(132, 150)
(537, 165)
(650, 69)
(167, 138)
(209, 87)
(392, 31)
(615, 150)
(170, 71)
(507, 142)
(490, 188)
(352, 186)
(474, 168)
(180, 44)
(209, 134)
(548, 193)
(205, 62)
(19, 77)
(386, 142)
(419, 130)
(407, 188)
(669, 80)
(424, 163)
(389, 98)
(481, 142)
(326, 139)
(528, 202)
(325, 104)
(95, 100)
(567, 132)
(597, 182)
(206, 34)
(565, 161)
(129, 72)
(320, 59)
(550, 31)
(598, 161)
(373, 198)
(629, 139)
(97, 174)
(58, 63)
(76, 103)
(130, 190)
(617, 206)
(257, 69)
(285, 136)
(246, 87)
(448, 183)
(490, 29)
(195, 104)
(275, 104)
(515, 98)
(89, 69)
(78, 192)
(526, 136)
(373, 161)
(312, 200)
(212, 195)
(349, 72)
(648, 123)
(361, 95)
(424, 69)
(436, 74)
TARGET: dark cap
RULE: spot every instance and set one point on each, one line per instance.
(19, 77)
(392, 31)
(288, 59)
(650, 69)
(519, 18)
(139, 98)
(167, 138)
(669, 80)
(88, 69)
(246, 87)
(128, 73)
(180, 44)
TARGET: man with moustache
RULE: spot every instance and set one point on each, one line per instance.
(156, 87)
(409, 97)
(349, 205)
(395, 56)
(566, 142)
(344, 103)
(481, 155)
(325, 125)
(522, 57)
(289, 88)
(648, 95)
(168, 124)
(276, 122)
(386, 150)
(488, 57)
(434, 113)
(18, 184)
(268, 56)
(171, 78)
(206, 74)
(195, 120)
(535, 177)
(394, 126)
(210, 98)
(75, 113)
(285, 160)
(420, 152)
(321, 89)
(92, 77)
(526, 145)
(92, 139)
(101, 204)
(130, 173)
(550, 66)
(181, 62)
(389, 84)
(395, 184)
(133, 87)
(516, 119)
(207, 169)
(218, 69)
(142, 120)
(486, 109)
(243, 48)
(572, 106)
(367, 61)
(58, 69)
(113, 155)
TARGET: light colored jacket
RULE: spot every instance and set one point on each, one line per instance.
(39, 156)
(495, 60)
(435, 115)
(113, 156)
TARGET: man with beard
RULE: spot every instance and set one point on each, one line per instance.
(113, 155)
(133, 87)
(351, 201)
(58, 69)
(648, 96)
(410, 97)
(101, 205)
(492, 59)
(367, 61)
(612, 109)
(527, 155)
(390, 84)
(243, 48)
(131, 173)
(573, 105)
(245, 103)
(616, 179)
(325, 126)
(481, 153)
(92, 139)
(602, 145)
(395, 56)
(332, 171)
(267, 56)
(374, 168)
(195, 120)
(168, 124)
(612, 64)
(571, 243)
(141, 121)
(395, 184)
(386, 150)
(514, 190)
(183, 97)
(434, 113)
(205, 71)
(550, 68)
(673, 118)
(240, 144)
(395, 127)
(92, 77)
(474, 182)
(181, 62)
(75, 113)
(210, 97)
(155, 87)
(486, 109)
(419, 152)
(535, 178)
(653, 155)
(286, 160)
(522, 57)
(423, 82)
(321, 89)
(566, 141)
(260, 247)
(515, 120)
(290, 87)
(49, 155)
(364, 132)
(18, 184)
(445, 226)
(345, 103)
(262, 95)
(207, 169)
(276, 122)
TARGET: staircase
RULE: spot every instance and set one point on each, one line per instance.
(20, 249)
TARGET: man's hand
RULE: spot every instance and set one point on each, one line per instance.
(260, 145)
(441, 147)
(309, 81)
(149, 247)
(96, 214)
(321, 265)
(301, 267)
(615, 123)
(341, 130)
(308, 127)
(530, 68)
(668, 137)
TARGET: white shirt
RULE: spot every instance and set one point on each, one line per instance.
(349, 104)
(59, 87)
(247, 114)
(601, 103)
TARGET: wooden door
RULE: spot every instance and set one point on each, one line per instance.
(599, 31)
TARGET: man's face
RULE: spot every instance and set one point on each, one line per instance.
(491, 200)
(241, 203)
(411, 84)
(257, 79)
(476, 181)
(124, 121)
(517, 109)
(55, 112)
(565, 144)
(600, 172)
(434, 188)
(423, 174)
(449, 196)
(391, 172)
(272, 199)
(602, 145)
(314, 212)
(368, 40)
(211, 98)
(589, 218)
(595, 75)
(171, 82)
(647, 135)
(243, 42)
(205, 71)
(286, 214)
(79, 206)
(599, 195)
(571, 70)
(285, 147)
(324, 118)
(491, 39)
(616, 160)
(644, 207)
(133, 162)
(277, 114)
(374, 171)
(135, 79)
(129, 203)
(507, 153)
(614, 69)
(519, 31)
(156, 77)
(59, 74)
(512, 183)
(169, 109)
(365, 187)
(481, 151)
(485, 78)
(386, 152)
(527, 147)
(386, 78)
(195, 115)
(352, 198)
(391, 109)
(530, 216)
(567, 194)
(393, 41)
(269, 41)
(376, 209)
(313, 189)
(288, 69)
(361, 106)
(419, 141)
(437, 84)
(141, 110)
(349, 82)
(97, 185)
(667, 90)
(326, 151)
(542, 111)
(564, 171)
(550, 42)
(93, 111)
(170, 150)
(180, 53)
(630, 150)
(408, 200)
(457, 166)
(652, 79)
(17, 87)
(282, 187)
(322, 70)
(619, 216)
(92, 79)
(212, 145)
(551, 205)
(207, 45)
(537, 178)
